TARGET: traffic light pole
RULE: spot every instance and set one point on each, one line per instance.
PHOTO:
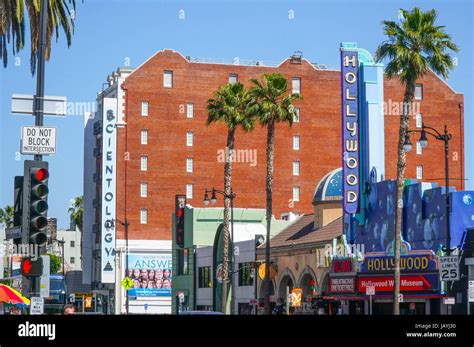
(39, 102)
(39, 97)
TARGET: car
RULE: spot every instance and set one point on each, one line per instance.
(203, 313)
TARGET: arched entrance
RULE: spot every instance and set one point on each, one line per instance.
(309, 286)
(286, 281)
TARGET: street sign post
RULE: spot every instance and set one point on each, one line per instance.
(370, 291)
(471, 291)
(449, 268)
(36, 305)
(13, 233)
(53, 105)
(449, 301)
(38, 140)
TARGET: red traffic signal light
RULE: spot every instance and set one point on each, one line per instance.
(31, 268)
(41, 174)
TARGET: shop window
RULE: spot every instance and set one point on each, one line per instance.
(246, 271)
(204, 277)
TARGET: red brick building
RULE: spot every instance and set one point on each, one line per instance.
(166, 97)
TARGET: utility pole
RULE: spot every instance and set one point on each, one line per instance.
(39, 104)
(39, 97)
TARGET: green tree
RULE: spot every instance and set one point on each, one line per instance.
(229, 106)
(76, 212)
(272, 104)
(412, 48)
(12, 25)
(55, 263)
(6, 216)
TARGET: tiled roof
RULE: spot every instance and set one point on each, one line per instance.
(302, 231)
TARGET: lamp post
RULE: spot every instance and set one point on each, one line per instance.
(445, 137)
(126, 225)
(213, 200)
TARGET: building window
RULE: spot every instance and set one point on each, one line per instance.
(296, 168)
(419, 172)
(189, 138)
(296, 142)
(72, 260)
(168, 79)
(233, 78)
(419, 149)
(189, 164)
(296, 115)
(189, 191)
(419, 120)
(296, 85)
(419, 92)
(144, 137)
(296, 193)
(190, 110)
(73, 244)
(246, 274)
(143, 190)
(183, 268)
(204, 277)
(143, 216)
(144, 108)
(144, 163)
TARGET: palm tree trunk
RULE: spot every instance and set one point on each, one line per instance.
(227, 191)
(401, 166)
(269, 212)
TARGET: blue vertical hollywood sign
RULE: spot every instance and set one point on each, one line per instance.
(350, 129)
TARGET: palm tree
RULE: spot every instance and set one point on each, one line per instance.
(412, 48)
(272, 104)
(6, 216)
(76, 212)
(229, 106)
(12, 25)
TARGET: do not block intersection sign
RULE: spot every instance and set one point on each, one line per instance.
(38, 140)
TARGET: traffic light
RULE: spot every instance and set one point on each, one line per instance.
(17, 205)
(179, 215)
(32, 268)
(35, 202)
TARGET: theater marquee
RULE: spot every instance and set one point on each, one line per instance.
(350, 129)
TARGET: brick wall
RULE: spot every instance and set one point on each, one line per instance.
(319, 131)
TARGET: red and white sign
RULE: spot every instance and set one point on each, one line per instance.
(342, 285)
(370, 290)
(385, 283)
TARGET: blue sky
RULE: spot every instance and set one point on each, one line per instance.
(111, 33)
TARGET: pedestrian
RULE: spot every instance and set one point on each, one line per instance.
(69, 309)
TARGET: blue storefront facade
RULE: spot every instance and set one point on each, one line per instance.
(369, 207)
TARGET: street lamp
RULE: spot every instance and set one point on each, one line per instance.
(110, 224)
(445, 137)
(213, 200)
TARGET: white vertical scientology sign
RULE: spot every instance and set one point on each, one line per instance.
(109, 144)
